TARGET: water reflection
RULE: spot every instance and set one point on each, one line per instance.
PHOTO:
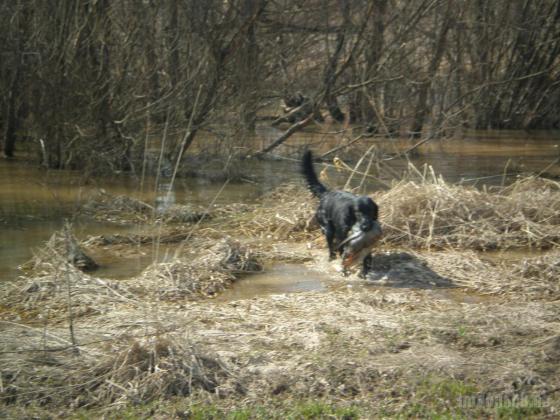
(476, 157)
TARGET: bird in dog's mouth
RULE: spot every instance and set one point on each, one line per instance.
(359, 243)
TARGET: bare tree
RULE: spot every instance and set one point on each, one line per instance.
(111, 76)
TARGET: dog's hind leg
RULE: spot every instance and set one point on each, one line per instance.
(329, 234)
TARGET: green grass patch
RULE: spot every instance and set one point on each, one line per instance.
(444, 389)
(182, 409)
(297, 411)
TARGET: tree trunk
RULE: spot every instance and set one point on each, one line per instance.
(330, 74)
(172, 36)
(152, 65)
(12, 121)
(248, 76)
(422, 105)
(372, 56)
(330, 79)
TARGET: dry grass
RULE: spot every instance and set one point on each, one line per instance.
(448, 315)
(364, 345)
(283, 214)
(52, 285)
(435, 214)
(105, 366)
(128, 210)
(117, 209)
(425, 213)
(207, 269)
(51, 282)
(542, 272)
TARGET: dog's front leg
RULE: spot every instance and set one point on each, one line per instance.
(366, 265)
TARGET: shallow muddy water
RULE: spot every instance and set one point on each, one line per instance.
(277, 279)
(34, 202)
(477, 157)
(294, 278)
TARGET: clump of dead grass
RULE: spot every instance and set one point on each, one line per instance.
(62, 245)
(541, 273)
(125, 210)
(209, 268)
(285, 213)
(53, 288)
(435, 214)
(118, 209)
(46, 368)
(425, 212)
(182, 213)
(54, 283)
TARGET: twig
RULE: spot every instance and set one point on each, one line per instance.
(161, 150)
(336, 149)
(206, 212)
(187, 133)
(69, 288)
(144, 157)
(355, 169)
(287, 134)
(367, 169)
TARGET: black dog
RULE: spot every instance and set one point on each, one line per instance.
(341, 212)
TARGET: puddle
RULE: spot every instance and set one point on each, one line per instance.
(18, 244)
(277, 279)
(117, 265)
(294, 278)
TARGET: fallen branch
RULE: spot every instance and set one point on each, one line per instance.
(293, 129)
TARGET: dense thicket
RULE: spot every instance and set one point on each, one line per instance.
(109, 77)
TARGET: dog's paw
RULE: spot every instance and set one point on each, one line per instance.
(339, 268)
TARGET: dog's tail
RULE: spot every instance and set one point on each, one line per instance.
(316, 187)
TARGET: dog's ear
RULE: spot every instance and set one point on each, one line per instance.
(375, 211)
(367, 207)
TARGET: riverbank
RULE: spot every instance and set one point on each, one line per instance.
(437, 328)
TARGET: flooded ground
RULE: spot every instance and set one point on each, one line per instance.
(34, 202)
(477, 157)
(251, 313)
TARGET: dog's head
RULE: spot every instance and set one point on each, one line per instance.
(366, 212)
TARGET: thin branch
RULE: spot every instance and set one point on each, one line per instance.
(287, 134)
